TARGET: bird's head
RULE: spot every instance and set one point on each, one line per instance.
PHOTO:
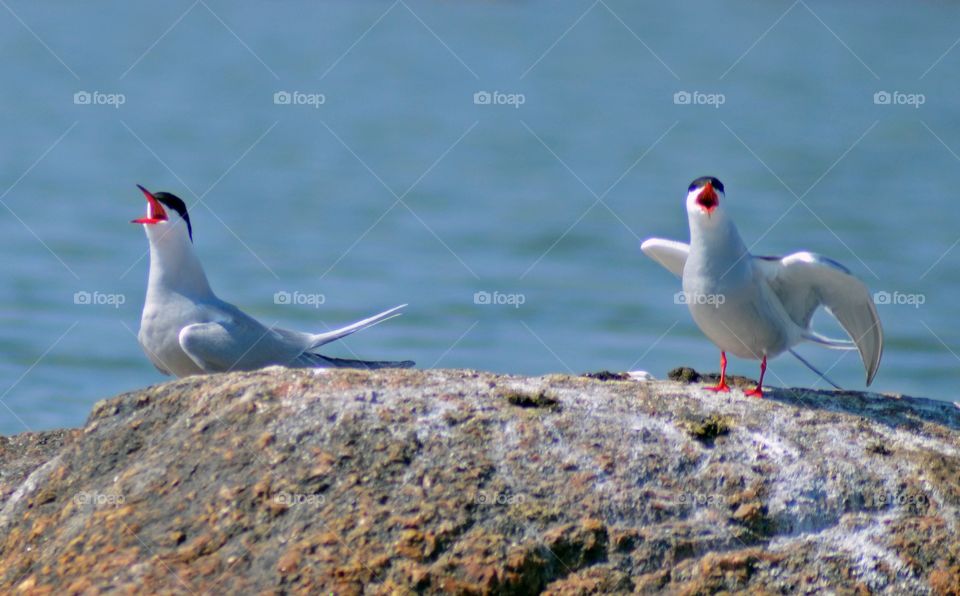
(704, 197)
(167, 217)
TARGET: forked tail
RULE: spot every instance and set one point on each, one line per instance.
(814, 369)
(320, 339)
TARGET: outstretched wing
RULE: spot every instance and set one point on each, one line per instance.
(669, 253)
(804, 281)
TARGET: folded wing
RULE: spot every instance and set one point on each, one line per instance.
(805, 281)
(236, 344)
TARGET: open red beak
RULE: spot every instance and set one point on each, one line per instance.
(155, 211)
(708, 198)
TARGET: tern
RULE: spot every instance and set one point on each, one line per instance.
(186, 329)
(758, 307)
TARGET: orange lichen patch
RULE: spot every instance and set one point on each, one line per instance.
(946, 582)
(289, 561)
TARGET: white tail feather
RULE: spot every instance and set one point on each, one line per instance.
(836, 344)
(320, 339)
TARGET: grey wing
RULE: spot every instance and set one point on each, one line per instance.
(805, 281)
(669, 253)
(236, 343)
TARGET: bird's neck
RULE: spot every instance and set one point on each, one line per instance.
(717, 241)
(174, 267)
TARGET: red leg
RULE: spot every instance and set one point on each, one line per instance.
(758, 392)
(722, 385)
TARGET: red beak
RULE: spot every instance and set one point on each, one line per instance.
(155, 211)
(708, 198)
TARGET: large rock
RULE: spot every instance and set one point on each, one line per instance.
(466, 482)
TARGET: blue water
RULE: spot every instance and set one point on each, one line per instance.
(547, 200)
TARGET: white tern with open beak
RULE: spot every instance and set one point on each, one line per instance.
(185, 329)
(758, 307)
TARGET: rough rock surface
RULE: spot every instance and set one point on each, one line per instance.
(464, 482)
(22, 454)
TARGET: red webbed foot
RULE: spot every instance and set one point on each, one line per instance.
(720, 387)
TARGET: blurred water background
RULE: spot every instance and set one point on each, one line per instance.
(366, 154)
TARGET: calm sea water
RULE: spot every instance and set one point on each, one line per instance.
(387, 178)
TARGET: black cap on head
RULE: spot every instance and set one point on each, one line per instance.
(701, 181)
(176, 203)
